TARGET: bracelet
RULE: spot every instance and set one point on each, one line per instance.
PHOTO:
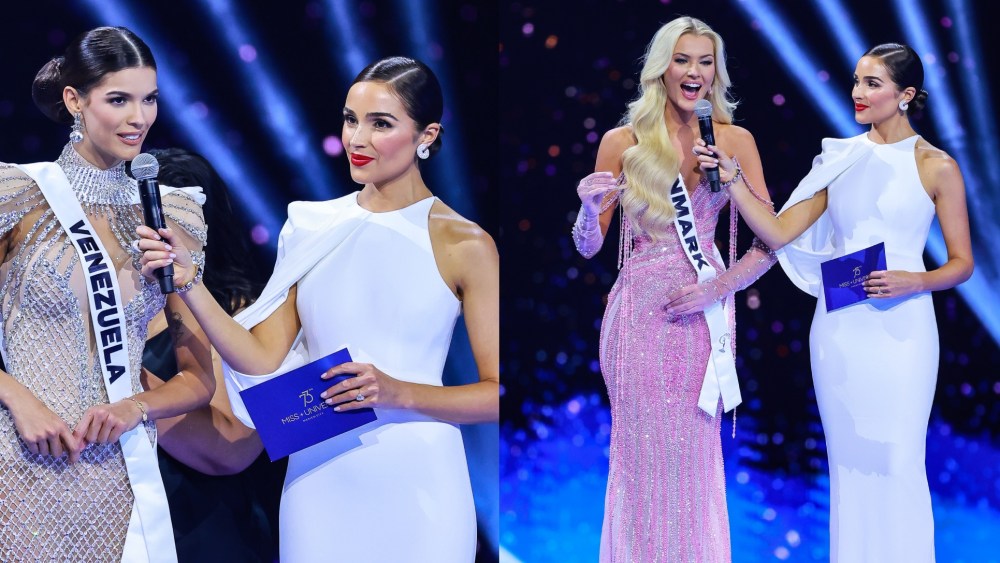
(736, 176)
(198, 273)
(145, 417)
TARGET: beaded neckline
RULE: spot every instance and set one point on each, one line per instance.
(96, 188)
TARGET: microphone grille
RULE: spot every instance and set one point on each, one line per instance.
(702, 108)
(145, 167)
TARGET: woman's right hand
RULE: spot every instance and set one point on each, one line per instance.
(42, 431)
(592, 189)
(161, 249)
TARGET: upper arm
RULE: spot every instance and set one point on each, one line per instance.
(944, 179)
(609, 159)
(479, 283)
(469, 263)
(744, 148)
(278, 331)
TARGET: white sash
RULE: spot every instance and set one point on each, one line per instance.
(150, 534)
(720, 373)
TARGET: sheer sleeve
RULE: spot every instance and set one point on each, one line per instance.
(19, 195)
(182, 209)
(757, 260)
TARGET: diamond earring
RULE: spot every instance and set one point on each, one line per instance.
(76, 130)
(423, 151)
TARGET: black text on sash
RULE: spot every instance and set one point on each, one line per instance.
(682, 204)
(108, 331)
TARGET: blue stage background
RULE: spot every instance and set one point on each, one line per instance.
(258, 89)
(567, 71)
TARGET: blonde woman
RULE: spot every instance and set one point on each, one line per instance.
(666, 344)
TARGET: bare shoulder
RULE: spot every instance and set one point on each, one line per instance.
(934, 160)
(619, 138)
(735, 136)
(460, 235)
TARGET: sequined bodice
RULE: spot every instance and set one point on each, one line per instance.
(706, 205)
(47, 507)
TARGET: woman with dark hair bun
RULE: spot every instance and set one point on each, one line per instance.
(77, 433)
(385, 271)
(874, 362)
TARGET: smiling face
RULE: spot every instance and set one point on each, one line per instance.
(876, 96)
(380, 138)
(117, 113)
(691, 71)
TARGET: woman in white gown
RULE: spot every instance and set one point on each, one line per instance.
(874, 363)
(386, 272)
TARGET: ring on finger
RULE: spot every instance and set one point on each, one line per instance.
(360, 397)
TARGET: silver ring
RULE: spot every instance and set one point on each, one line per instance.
(880, 291)
(694, 151)
(360, 397)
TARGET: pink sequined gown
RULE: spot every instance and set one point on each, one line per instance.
(666, 496)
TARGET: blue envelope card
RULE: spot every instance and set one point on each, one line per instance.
(289, 413)
(844, 277)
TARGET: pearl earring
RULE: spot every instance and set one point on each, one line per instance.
(903, 105)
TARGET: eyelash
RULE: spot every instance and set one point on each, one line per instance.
(682, 61)
(119, 100)
(379, 123)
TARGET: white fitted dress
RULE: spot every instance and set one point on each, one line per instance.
(397, 489)
(875, 363)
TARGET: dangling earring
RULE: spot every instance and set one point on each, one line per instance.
(423, 151)
(903, 105)
(76, 130)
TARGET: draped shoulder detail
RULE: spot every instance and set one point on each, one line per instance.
(801, 258)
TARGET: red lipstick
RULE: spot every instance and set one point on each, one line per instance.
(360, 159)
(859, 107)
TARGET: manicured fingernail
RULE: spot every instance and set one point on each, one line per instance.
(329, 401)
(337, 409)
(322, 395)
(168, 247)
(172, 255)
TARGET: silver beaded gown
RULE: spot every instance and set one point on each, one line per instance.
(49, 509)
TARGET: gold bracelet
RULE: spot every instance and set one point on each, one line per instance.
(142, 408)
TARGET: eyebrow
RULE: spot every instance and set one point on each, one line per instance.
(372, 114)
(699, 56)
(119, 93)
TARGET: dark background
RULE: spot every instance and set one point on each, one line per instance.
(301, 49)
(567, 72)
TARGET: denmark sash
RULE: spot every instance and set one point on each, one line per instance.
(150, 534)
(720, 373)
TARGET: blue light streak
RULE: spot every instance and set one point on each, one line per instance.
(351, 51)
(844, 31)
(290, 132)
(451, 161)
(787, 47)
(980, 291)
(201, 132)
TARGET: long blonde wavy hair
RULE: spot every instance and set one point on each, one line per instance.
(652, 164)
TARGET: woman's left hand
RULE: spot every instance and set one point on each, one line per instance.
(106, 423)
(887, 284)
(691, 299)
(371, 387)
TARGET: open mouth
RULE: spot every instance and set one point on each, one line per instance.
(690, 89)
(130, 138)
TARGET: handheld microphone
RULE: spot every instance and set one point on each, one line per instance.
(703, 109)
(145, 168)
